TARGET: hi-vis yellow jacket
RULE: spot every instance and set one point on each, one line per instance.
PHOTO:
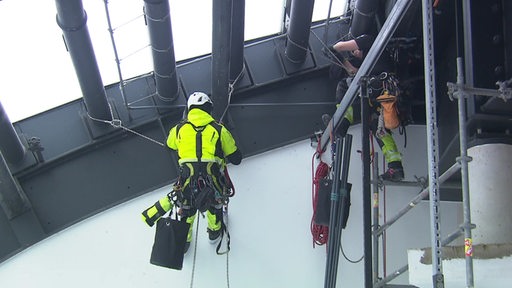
(209, 147)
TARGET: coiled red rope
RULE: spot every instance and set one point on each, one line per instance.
(320, 233)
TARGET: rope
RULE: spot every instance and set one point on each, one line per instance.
(348, 259)
(297, 44)
(227, 253)
(337, 62)
(231, 89)
(195, 254)
(320, 233)
(161, 19)
(117, 123)
(225, 221)
(227, 268)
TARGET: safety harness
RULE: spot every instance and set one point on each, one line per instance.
(207, 184)
(395, 110)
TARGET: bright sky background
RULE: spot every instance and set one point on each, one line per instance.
(37, 74)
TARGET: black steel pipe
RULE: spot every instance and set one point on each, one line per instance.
(363, 18)
(237, 40)
(10, 144)
(367, 192)
(158, 19)
(298, 32)
(330, 272)
(221, 51)
(339, 199)
(72, 19)
(12, 199)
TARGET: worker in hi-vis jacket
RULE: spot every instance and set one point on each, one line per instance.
(204, 147)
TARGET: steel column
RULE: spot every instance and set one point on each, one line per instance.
(363, 17)
(10, 144)
(221, 51)
(366, 185)
(375, 215)
(12, 199)
(298, 32)
(158, 17)
(72, 19)
(463, 160)
(237, 40)
(468, 49)
(433, 145)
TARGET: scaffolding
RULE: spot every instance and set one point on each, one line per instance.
(459, 90)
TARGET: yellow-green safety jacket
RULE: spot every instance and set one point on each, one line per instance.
(185, 139)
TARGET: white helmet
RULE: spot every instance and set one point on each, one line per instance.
(198, 99)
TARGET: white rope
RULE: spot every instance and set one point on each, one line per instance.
(297, 44)
(117, 123)
(162, 19)
(338, 61)
(195, 253)
(231, 89)
(227, 253)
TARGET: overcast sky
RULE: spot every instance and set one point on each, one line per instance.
(37, 73)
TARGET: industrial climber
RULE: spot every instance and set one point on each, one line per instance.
(382, 86)
(203, 146)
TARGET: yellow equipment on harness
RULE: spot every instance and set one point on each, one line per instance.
(155, 212)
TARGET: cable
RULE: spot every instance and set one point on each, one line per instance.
(117, 123)
(225, 215)
(348, 259)
(231, 89)
(195, 254)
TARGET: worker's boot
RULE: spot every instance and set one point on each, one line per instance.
(213, 235)
(395, 172)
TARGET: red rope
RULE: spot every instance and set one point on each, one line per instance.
(229, 182)
(320, 233)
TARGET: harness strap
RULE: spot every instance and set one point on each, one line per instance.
(199, 139)
(199, 145)
(223, 230)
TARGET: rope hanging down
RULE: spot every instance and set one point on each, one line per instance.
(224, 232)
(117, 123)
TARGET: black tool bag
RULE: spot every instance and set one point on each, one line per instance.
(323, 204)
(169, 245)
